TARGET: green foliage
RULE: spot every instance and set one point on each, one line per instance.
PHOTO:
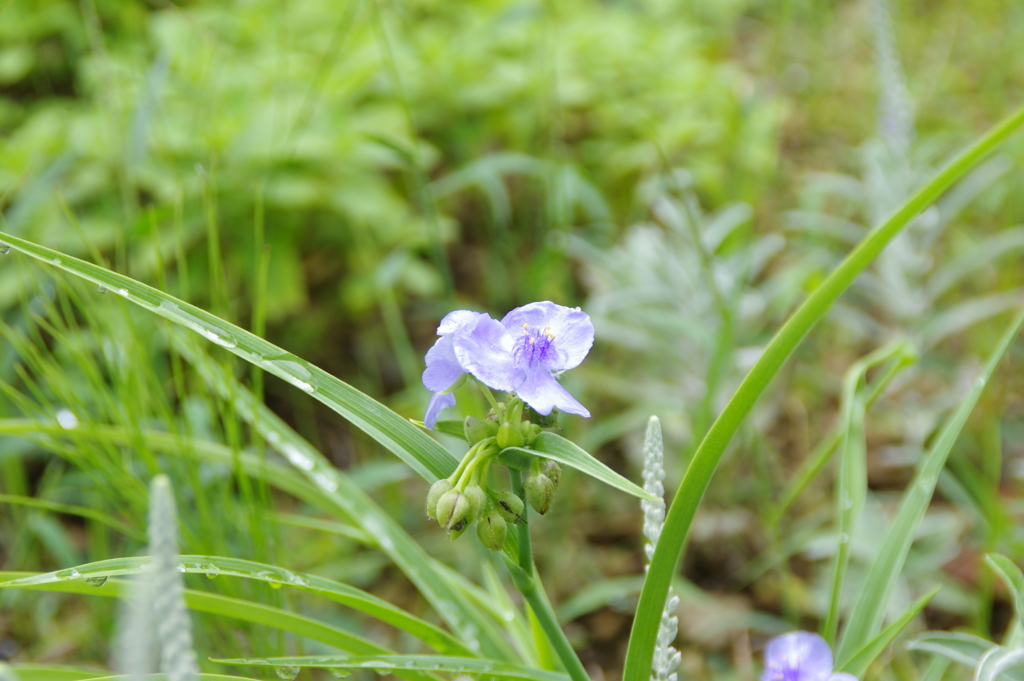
(336, 177)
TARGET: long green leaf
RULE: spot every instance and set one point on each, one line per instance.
(352, 597)
(393, 663)
(225, 606)
(1014, 580)
(402, 438)
(46, 672)
(328, 490)
(705, 461)
(70, 509)
(869, 610)
(963, 648)
(1012, 577)
(557, 448)
(340, 494)
(852, 482)
(860, 662)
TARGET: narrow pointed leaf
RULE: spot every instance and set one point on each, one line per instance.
(402, 438)
(557, 448)
(866, 655)
(234, 608)
(43, 672)
(352, 597)
(966, 649)
(392, 663)
(679, 518)
(1012, 577)
(868, 612)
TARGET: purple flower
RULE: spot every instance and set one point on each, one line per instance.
(800, 656)
(443, 368)
(526, 351)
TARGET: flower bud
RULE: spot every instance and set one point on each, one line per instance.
(491, 531)
(509, 436)
(437, 490)
(539, 490)
(515, 412)
(510, 507)
(552, 470)
(477, 499)
(452, 508)
(479, 429)
(457, 529)
(530, 432)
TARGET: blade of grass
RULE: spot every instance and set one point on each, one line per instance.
(564, 451)
(224, 606)
(963, 648)
(1014, 580)
(869, 610)
(860, 662)
(705, 461)
(41, 672)
(69, 509)
(398, 435)
(352, 597)
(392, 663)
(852, 483)
(814, 463)
(340, 494)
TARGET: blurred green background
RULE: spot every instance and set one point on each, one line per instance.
(337, 176)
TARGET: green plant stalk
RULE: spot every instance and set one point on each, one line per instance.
(868, 613)
(643, 637)
(814, 464)
(527, 581)
(523, 528)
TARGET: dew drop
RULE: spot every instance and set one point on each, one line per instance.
(287, 673)
(277, 585)
(66, 419)
(96, 581)
(844, 538)
(341, 672)
(101, 288)
(123, 292)
(70, 573)
(4, 249)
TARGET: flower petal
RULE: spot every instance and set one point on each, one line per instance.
(443, 367)
(458, 319)
(438, 402)
(542, 392)
(571, 327)
(797, 656)
(485, 350)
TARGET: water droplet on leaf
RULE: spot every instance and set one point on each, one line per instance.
(96, 581)
(287, 673)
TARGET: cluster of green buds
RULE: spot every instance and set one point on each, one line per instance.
(464, 498)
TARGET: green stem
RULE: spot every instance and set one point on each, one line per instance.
(526, 579)
(704, 463)
(525, 545)
(549, 623)
(494, 403)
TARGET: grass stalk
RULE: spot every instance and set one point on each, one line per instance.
(643, 637)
